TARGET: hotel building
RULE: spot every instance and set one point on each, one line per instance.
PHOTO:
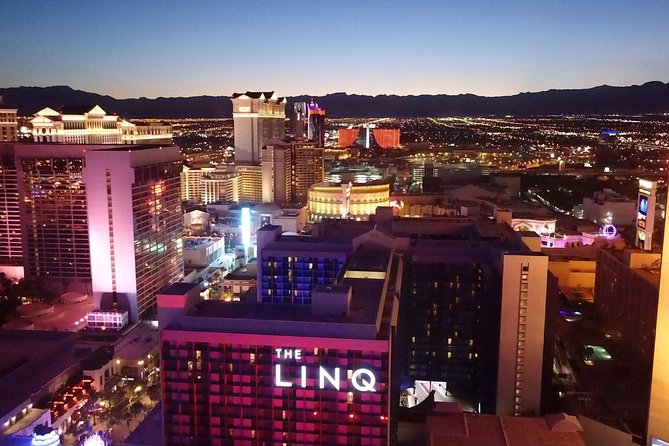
(209, 184)
(307, 169)
(92, 125)
(119, 202)
(8, 124)
(135, 222)
(472, 309)
(276, 172)
(11, 244)
(314, 372)
(658, 414)
(258, 117)
(356, 201)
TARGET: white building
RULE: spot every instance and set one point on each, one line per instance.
(258, 117)
(608, 207)
(8, 124)
(521, 334)
(135, 223)
(210, 184)
(92, 125)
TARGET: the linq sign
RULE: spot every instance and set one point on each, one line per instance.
(362, 379)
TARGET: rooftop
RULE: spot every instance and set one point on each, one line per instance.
(362, 321)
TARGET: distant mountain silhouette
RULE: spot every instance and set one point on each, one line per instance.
(651, 97)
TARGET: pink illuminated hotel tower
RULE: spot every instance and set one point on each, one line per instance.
(315, 372)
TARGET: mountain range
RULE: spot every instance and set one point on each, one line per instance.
(651, 97)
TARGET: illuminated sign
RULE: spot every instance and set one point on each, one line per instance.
(246, 226)
(642, 212)
(608, 231)
(363, 380)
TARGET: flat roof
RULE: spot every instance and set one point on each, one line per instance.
(138, 343)
(368, 296)
(179, 288)
(466, 429)
(30, 360)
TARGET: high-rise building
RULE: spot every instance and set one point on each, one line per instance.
(250, 183)
(221, 186)
(472, 309)
(92, 125)
(8, 124)
(658, 414)
(258, 117)
(277, 172)
(208, 184)
(316, 128)
(288, 272)
(521, 377)
(11, 244)
(192, 187)
(135, 222)
(626, 293)
(299, 120)
(120, 202)
(605, 152)
(278, 373)
(307, 169)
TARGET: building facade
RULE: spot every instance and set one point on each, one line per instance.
(357, 201)
(135, 222)
(258, 117)
(95, 218)
(92, 125)
(277, 173)
(8, 124)
(281, 374)
(307, 169)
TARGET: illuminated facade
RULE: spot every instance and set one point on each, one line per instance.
(325, 200)
(658, 414)
(192, 187)
(645, 218)
(277, 374)
(135, 222)
(288, 272)
(11, 245)
(209, 184)
(469, 311)
(316, 124)
(250, 183)
(53, 205)
(120, 202)
(221, 186)
(369, 137)
(258, 117)
(92, 125)
(277, 172)
(608, 207)
(8, 124)
(307, 169)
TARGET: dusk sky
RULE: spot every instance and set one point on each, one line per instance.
(186, 48)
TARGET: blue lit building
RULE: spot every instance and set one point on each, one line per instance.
(289, 270)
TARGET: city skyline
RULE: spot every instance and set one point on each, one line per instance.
(404, 48)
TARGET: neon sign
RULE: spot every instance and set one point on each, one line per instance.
(363, 380)
(608, 231)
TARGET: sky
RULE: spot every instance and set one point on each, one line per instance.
(187, 48)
